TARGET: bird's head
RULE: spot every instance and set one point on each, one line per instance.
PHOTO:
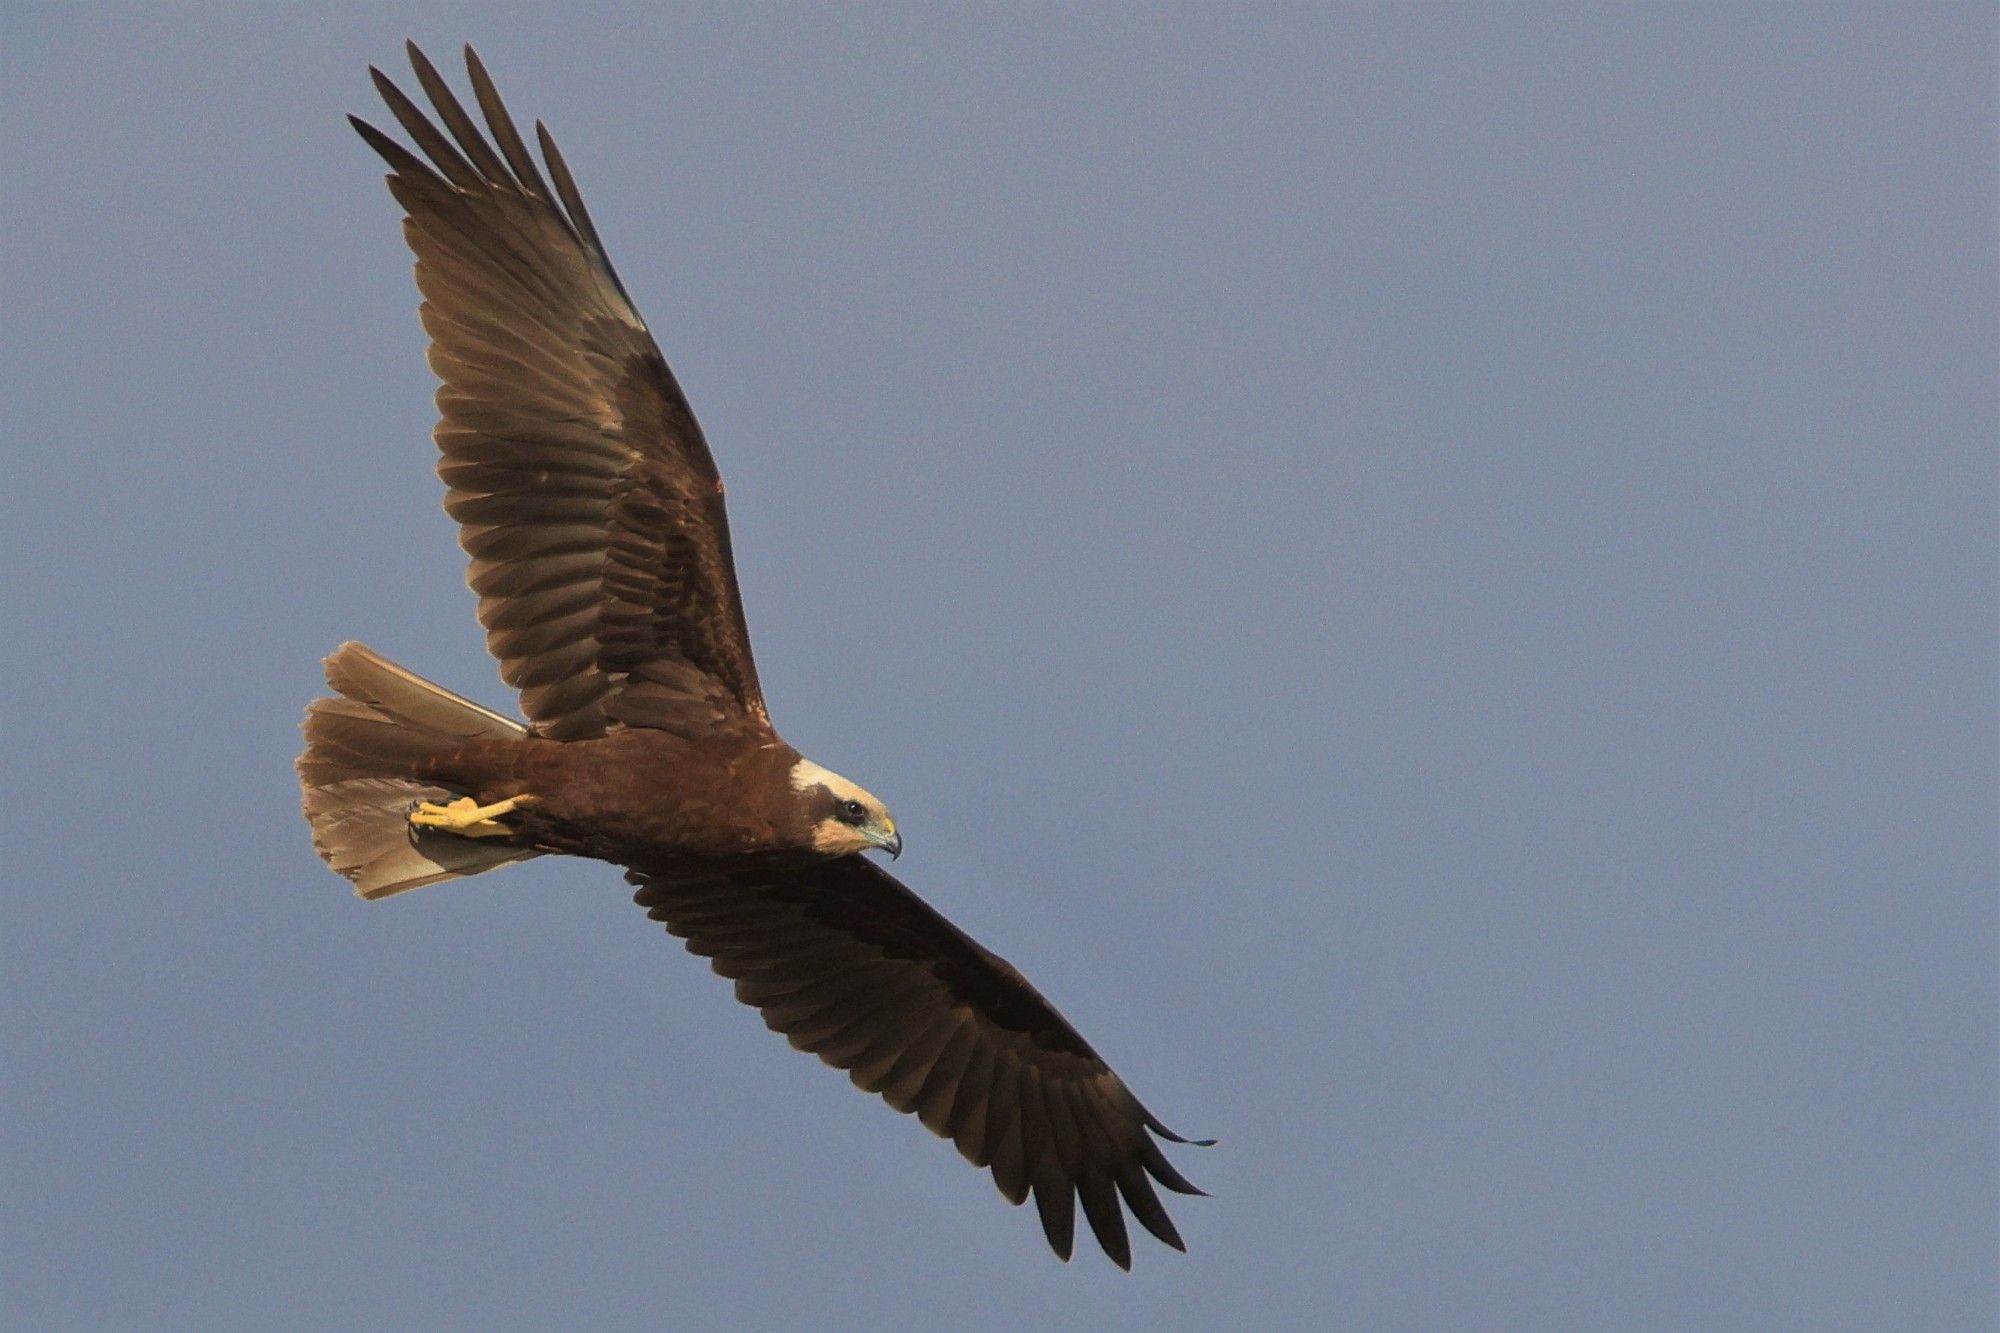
(842, 816)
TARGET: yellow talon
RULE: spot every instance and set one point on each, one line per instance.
(467, 817)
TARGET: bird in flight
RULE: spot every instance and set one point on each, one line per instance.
(592, 513)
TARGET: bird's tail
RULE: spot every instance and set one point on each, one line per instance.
(361, 749)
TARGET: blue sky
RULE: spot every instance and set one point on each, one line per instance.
(1428, 572)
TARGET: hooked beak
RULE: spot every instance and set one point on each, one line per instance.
(892, 843)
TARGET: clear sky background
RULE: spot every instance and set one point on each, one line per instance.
(1428, 572)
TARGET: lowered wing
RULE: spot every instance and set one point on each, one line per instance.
(855, 968)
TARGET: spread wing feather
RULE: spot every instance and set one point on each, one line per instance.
(586, 497)
(850, 965)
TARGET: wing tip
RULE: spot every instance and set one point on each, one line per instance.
(1154, 1123)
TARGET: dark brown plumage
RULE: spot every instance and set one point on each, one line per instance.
(592, 512)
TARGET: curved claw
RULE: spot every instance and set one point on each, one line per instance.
(466, 817)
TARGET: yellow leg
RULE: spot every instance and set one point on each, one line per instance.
(467, 817)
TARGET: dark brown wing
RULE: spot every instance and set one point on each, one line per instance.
(855, 968)
(585, 494)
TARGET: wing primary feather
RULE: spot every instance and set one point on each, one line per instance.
(1107, 1219)
(526, 174)
(452, 112)
(1153, 1123)
(1055, 1193)
(400, 159)
(1163, 1171)
(579, 216)
(1055, 1202)
(1094, 1182)
(1037, 1140)
(1065, 1137)
(1146, 1205)
(428, 136)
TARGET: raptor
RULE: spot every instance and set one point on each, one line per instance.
(592, 513)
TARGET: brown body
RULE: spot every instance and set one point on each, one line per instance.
(641, 796)
(592, 514)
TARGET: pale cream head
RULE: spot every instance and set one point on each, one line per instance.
(845, 816)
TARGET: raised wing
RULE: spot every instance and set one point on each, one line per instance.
(585, 495)
(855, 968)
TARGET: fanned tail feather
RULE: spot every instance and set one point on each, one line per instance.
(361, 749)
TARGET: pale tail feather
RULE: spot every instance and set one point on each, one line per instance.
(355, 772)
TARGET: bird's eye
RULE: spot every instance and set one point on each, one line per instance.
(852, 812)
